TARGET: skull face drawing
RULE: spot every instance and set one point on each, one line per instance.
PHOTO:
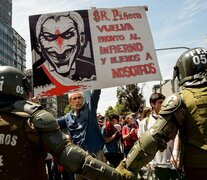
(60, 39)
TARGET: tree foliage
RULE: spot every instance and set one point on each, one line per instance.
(109, 111)
(118, 109)
(67, 109)
(130, 97)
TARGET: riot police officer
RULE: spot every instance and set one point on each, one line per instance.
(185, 111)
(27, 131)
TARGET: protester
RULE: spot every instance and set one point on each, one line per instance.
(118, 127)
(135, 118)
(82, 124)
(100, 120)
(186, 111)
(121, 119)
(138, 118)
(28, 132)
(145, 113)
(57, 170)
(160, 166)
(112, 137)
(155, 101)
(143, 119)
(48, 162)
(129, 133)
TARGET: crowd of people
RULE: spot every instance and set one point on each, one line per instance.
(169, 138)
(108, 138)
(121, 133)
(114, 136)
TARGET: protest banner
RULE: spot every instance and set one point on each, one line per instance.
(91, 49)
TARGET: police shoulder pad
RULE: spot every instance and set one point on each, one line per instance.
(171, 104)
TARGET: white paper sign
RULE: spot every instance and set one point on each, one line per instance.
(92, 49)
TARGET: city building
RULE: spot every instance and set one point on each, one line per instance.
(12, 45)
(6, 11)
(6, 44)
(56, 105)
(166, 87)
(19, 51)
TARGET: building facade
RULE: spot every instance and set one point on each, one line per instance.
(6, 44)
(12, 45)
(19, 51)
(6, 11)
(166, 87)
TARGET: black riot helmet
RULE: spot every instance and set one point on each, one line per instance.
(191, 67)
(13, 83)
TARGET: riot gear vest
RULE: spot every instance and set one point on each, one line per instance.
(195, 127)
(21, 157)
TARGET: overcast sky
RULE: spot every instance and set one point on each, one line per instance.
(173, 23)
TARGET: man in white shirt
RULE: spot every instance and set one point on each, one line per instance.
(163, 169)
